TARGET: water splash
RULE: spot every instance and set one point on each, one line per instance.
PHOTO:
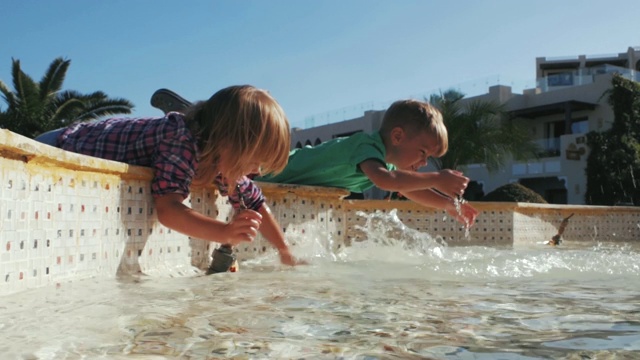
(386, 229)
(458, 204)
(389, 244)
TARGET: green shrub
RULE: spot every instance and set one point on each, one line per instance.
(613, 164)
(514, 193)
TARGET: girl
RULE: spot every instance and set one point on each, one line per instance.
(240, 130)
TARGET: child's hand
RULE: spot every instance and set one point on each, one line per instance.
(287, 259)
(243, 227)
(452, 183)
(467, 215)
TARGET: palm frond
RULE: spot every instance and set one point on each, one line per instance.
(8, 95)
(27, 110)
(479, 132)
(63, 110)
(25, 87)
(98, 104)
(53, 78)
(33, 108)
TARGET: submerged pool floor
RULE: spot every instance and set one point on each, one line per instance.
(372, 302)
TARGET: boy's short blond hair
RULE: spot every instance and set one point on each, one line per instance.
(414, 117)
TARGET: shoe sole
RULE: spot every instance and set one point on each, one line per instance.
(168, 101)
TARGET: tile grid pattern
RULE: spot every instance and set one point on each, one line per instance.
(58, 223)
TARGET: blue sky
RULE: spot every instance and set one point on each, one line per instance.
(317, 58)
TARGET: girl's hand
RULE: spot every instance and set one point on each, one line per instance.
(287, 259)
(243, 227)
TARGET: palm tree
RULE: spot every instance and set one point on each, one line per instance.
(480, 132)
(37, 107)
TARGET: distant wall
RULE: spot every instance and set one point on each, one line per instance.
(66, 216)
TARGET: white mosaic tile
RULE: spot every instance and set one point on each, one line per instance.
(58, 224)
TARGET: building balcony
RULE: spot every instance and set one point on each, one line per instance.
(583, 76)
(549, 147)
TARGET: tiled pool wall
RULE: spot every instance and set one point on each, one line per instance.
(507, 224)
(66, 216)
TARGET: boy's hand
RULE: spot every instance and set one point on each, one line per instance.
(452, 183)
(243, 227)
(467, 215)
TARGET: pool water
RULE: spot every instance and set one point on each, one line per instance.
(409, 297)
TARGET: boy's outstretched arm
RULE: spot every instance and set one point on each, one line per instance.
(449, 182)
(431, 198)
(418, 187)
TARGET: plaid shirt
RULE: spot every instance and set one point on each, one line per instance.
(165, 144)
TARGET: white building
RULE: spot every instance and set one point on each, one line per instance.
(566, 103)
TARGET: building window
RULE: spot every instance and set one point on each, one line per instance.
(560, 79)
(551, 142)
(580, 126)
(554, 129)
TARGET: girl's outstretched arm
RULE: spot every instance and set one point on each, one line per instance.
(272, 231)
(173, 214)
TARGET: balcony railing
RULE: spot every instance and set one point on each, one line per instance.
(469, 89)
(583, 77)
(474, 88)
(548, 147)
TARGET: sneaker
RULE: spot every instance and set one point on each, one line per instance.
(167, 101)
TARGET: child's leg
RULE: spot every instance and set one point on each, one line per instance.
(167, 101)
(50, 137)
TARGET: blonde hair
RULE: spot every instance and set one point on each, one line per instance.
(414, 117)
(247, 123)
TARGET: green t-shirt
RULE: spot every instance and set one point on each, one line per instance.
(333, 163)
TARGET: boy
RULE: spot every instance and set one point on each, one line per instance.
(411, 132)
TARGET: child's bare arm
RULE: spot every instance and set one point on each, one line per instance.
(430, 198)
(449, 182)
(272, 231)
(173, 214)
(418, 187)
